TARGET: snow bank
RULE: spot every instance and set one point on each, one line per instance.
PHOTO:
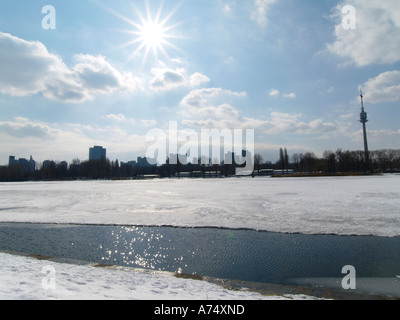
(25, 278)
(327, 205)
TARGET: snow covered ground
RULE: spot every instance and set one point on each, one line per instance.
(339, 205)
(26, 278)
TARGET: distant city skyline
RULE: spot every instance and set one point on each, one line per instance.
(232, 164)
(99, 153)
(92, 71)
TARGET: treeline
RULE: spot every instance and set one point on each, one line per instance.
(52, 170)
(331, 162)
(386, 160)
(106, 169)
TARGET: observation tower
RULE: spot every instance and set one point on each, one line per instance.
(364, 120)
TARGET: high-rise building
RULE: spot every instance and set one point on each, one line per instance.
(32, 164)
(27, 166)
(11, 160)
(145, 162)
(97, 153)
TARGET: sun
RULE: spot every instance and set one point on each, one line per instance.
(150, 34)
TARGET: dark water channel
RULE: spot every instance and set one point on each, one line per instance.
(222, 253)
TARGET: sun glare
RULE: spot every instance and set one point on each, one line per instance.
(150, 34)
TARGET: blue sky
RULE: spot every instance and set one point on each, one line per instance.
(286, 68)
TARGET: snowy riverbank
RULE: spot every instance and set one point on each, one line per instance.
(25, 278)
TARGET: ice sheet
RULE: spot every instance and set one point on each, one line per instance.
(327, 205)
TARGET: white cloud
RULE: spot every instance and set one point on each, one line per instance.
(274, 93)
(212, 108)
(383, 138)
(122, 119)
(25, 66)
(168, 79)
(116, 117)
(24, 137)
(148, 123)
(97, 75)
(384, 135)
(210, 102)
(197, 79)
(260, 11)
(376, 39)
(289, 95)
(293, 123)
(24, 128)
(227, 8)
(331, 90)
(218, 117)
(384, 88)
(28, 68)
(347, 116)
(230, 60)
(43, 140)
(199, 98)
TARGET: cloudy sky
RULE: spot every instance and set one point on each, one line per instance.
(107, 72)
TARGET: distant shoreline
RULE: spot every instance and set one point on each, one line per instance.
(325, 174)
(152, 177)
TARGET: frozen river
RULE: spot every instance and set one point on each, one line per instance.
(310, 227)
(339, 205)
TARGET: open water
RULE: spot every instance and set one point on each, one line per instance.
(244, 255)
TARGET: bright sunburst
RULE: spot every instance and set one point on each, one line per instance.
(151, 34)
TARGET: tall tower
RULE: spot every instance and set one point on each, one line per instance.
(364, 120)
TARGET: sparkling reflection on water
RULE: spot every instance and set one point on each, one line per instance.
(125, 245)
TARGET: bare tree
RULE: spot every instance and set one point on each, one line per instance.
(330, 160)
(258, 160)
(286, 159)
(296, 161)
(281, 159)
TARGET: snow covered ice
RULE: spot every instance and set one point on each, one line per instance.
(340, 205)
